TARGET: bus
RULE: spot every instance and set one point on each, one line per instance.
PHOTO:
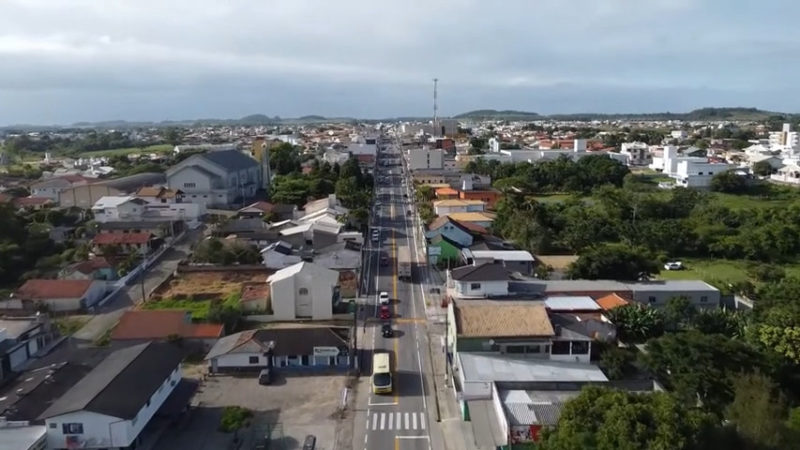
(381, 374)
(404, 262)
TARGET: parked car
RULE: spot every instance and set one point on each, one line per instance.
(673, 265)
(383, 297)
(265, 377)
(385, 314)
(386, 330)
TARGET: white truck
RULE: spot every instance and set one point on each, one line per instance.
(404, 262)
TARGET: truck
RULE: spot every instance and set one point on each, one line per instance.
(404, 262)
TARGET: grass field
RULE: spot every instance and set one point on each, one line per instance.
(198, 308)
(550, 198)
(160, 148)
(207, 285)
(717, 271)
(752, 201)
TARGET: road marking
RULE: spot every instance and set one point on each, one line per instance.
(397, 418)
(383, 420)
(422, 423)
(397, 421)
(413, 437)
(383, 404)
(410, 320)
(374, 421)
(406, 420)
(389, 422)
(413, 421)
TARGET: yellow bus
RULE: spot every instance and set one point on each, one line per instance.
(381, 374)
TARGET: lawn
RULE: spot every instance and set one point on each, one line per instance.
(160, 148)
(752, 201)
(198, 308)
(550, 198)
(719, 272)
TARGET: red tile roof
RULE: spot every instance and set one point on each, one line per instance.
(262, 206)
(91, 265)
(53, 289)
(255, 291)
(121, 238)
(159, 324)
(31, 201)
(611, 301)
(446, 191)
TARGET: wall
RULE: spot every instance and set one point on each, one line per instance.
(238, 360)
(500, 413)
(63, 304)
(322, 296)
(282, 297)
(85, 196)
(488, 288)
(660, 298)
(95, 426)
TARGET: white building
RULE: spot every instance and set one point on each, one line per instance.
(679, 134)
(113, 403)
(638, 153)
(790, 173)
(454, 205)
(304, 290)
(494, 145)
(425, 158)
(218, 178)
(786, 140)
(688, 171)
(134, 209)
(482, 281)
(278, 255)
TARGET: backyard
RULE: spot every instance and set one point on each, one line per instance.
(207, 285)
(719, 272)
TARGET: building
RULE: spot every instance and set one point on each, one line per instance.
(56, 295)
(425, 158)
(283, 348)
(159, 195)
(118, 208)
(481, 219)
(22, 435)
(447, 207)
(216, 179)
(513, 260)
(258, 209)
(84, 196)
(52, 187)
(786, 140)
(163, 325)
(445, 193)
(97, 268)
(21, 339)
(113, 403)
(122, 243)
(304, 290)
(687, 171)
(278, 255)
(789, 173)
(638, 153)
(482, 281)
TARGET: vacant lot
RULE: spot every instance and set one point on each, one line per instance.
(292, 408)
(160, 148)
(206, 285)
(719, 272)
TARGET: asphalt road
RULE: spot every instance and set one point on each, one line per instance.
(401, 420)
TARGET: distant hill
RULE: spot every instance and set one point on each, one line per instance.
(733, 114)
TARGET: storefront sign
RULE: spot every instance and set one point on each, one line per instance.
(326, 351)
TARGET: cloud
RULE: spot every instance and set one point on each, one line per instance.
(62, 59)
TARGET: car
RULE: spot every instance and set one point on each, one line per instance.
(384, 261)
(673, 265)
(386, 330)
(383, 297)
(384, 313)
(265, 377)
(310, 442)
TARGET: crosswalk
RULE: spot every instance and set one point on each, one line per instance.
(396, 421)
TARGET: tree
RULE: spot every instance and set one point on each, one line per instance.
(728, 182)
(637, 323)
(702, 367)
(172, 136)
(477, 143)
(763, 168)
(784, 341)
(615, 361)
(759, 412)
(424, 193)
(601, 418)
(679, 313)
(720, 321)
(284, 159)
(614, 262)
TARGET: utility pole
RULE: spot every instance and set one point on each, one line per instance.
(142, 277)
(435, 106)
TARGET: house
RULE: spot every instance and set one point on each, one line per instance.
(135, 209)
(117, 208)
(113, 403)
(159, 195)
(304, 290)
(441, 249)
(97, 268)
(463, 233)
(513, 260)
(638, 153)
(255, 298)
(790, 173)
(445, 193)
(488, 196)
(32, 203)
(446, 207)
(572, 304)
(482, 219)
(217, 178)
(482, 281)
(314, 208)
(162, 325)
(56, 295)
(341, 256)
(285, 348)
(122, 243)
(278, 255)
(21, 339)
(257, 209)
(611, 301)
(51, 188)
(156, 228)
(22, 435)
(84, 196)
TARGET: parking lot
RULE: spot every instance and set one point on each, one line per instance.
(293, 407)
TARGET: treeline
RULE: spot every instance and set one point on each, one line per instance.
(88, 142)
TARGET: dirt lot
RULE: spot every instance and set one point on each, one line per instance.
(295, 406)
(206, 285)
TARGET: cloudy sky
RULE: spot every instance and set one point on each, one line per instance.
(67, 61)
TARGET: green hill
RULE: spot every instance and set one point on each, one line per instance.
(733, 114)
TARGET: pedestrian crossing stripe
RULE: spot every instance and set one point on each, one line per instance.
(396, 421)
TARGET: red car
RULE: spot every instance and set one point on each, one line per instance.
(384, 312)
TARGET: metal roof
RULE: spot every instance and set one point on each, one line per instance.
(534, 407)
(571, 303)
(231, 160)
(497, 368)
(504, 255)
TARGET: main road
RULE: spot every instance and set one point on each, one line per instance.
(405, 418)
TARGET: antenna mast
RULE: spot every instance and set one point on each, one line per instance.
(435, 107)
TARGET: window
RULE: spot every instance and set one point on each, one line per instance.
(72, 428)
(651, 299)
(580, 348)
(474, 286)
(560, 348)
(703, 299)
(53, 425)
(515, 349)
(303, 291)
(190, 185)
(253, 360)
(533, 349)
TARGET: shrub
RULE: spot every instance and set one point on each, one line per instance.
(234, 418)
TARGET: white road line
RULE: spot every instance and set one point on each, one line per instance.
(383, 404)
(389, 422)
(397, 419)
(421, 421)
(375, 421)
(413, 421)
(412, 437)
(405, 415)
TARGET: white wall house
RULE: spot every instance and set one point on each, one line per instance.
(134, 209)
(687, 171)
(425, 158)
(92, 414)
(304, 290)
(450, 206)
(217, 178)
(494, 145)
(57, 295)
(278, 255)
(482, 281)
(638, 153)
(790, 173)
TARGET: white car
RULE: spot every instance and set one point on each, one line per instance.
(383, 297)
(673, 265)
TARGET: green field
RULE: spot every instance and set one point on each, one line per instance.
(160, 148)
(198, 308)
(717, 271)
(752, 201)
(550, 198)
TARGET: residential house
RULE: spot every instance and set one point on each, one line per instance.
(482, 281)
(130, 208)
(446, 207)
(21, 339)
(513, 260)
(118, 208)
(482, 219)
(32, 203)
(163, 325)
(258, 209)
(489, 197)
(445, 193)
(52, 187)
(122, 243)
(22, 435)
(611, 301)
(304, 290)
(284, 348)
(442, 249)
(156, 228)
(638, 153)
(789, 173)
(84, 196)
(56, 295)
(97, 268)
(216, 179)
(159, 195)
(464, 233)
(252, 230)
(278, 255)
(111, 406)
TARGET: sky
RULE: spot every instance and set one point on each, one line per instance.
(92, 60)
